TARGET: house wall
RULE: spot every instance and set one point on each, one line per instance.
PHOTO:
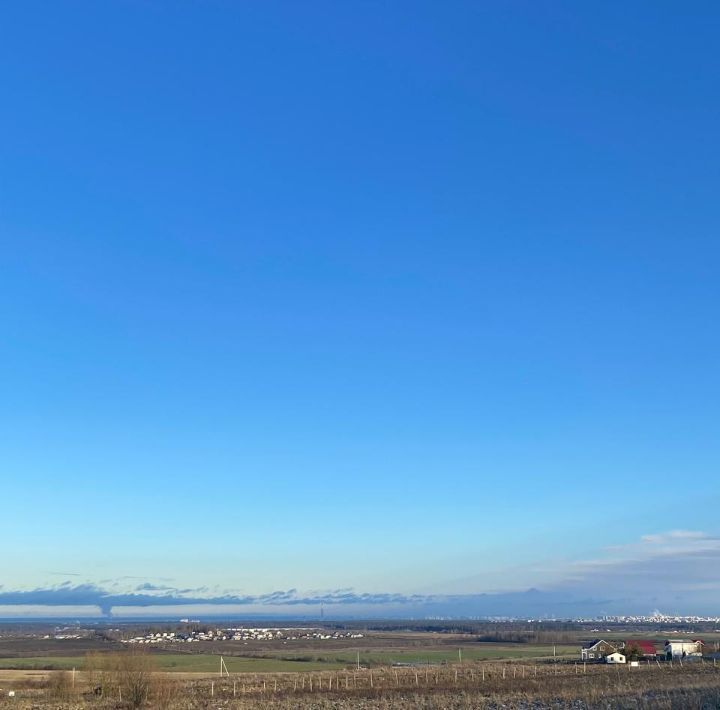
(677, 648)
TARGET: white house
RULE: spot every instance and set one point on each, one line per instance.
(615, 658)
(680, 648)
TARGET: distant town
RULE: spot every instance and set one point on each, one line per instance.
(241, 634)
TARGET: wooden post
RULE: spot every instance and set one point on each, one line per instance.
(212, 688)
(234, 684)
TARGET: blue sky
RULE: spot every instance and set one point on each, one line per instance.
(402, 298)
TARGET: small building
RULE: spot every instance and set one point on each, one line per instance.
(596, 650)
(616, 657)
(682, 648)
(639, 649)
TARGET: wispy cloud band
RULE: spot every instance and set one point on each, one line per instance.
(679, 570)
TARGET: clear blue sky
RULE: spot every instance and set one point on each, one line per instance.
(405, 297)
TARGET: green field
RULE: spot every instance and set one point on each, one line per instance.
(184, 663)
(310, 661)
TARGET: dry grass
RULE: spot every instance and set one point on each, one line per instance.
(483, 686)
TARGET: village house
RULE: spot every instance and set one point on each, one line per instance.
(682, 648)
(596, 650)
(640, 649)
(616, 657)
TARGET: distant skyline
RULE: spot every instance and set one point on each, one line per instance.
(414, 303)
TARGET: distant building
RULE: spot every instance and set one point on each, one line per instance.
(596, 650)
(616, 657)
(681, 648)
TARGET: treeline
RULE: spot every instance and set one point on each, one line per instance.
(500, 632)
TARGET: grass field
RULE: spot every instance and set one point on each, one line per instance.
(453, 687)
(308, 661)
(476, 652)
(195, 663)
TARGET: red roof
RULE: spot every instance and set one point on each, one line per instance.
(647, 647)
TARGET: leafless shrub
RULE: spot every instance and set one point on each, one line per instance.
(60, 686)
(135, 676)
(129, 676)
